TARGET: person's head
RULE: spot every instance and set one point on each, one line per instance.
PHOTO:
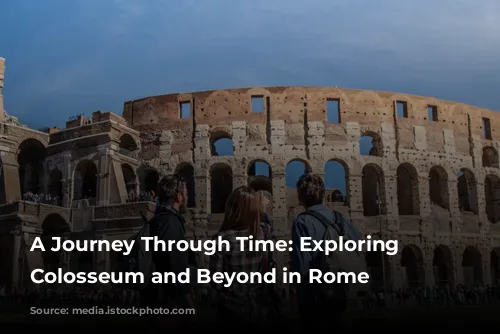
(310, 190)
(172, 191)
(243, 210)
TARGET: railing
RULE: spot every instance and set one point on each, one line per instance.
(123, 210)
(128, 153)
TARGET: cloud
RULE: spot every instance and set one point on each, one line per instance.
(122, 49)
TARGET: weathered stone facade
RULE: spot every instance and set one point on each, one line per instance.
(432, 184)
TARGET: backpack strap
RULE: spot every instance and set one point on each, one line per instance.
(337, 224)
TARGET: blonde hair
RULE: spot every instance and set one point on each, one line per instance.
(243, 211)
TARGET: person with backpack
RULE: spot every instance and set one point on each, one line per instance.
(321, 305)
(169, 224)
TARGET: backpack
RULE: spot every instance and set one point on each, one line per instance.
(344, 261)
(138, 260)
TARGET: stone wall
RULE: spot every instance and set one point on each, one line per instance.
(293, 125)
(432, 184)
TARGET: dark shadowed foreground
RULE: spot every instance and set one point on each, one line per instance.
(417, 318)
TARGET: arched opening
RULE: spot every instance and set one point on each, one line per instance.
(337, 180)
(380, 272)
(127, 143)
(490, 157)
(30, 158)
(55, 187)
(472, 266)
(467, 191)
(85, 181)
(186, 171)
(294, 170)
(495, 266)
(492, 198)
(130, 181)
(443, 266)
(3, 195)
(373, 189)
(370, 143)
(413, 263)
(259, 176)
(408, 197)
(53, 225)
(149, 184)
(221, 186)
(438, 187)
(221, 144)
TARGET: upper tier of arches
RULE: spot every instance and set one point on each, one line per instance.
(311, 104)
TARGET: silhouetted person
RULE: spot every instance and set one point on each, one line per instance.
(169, 224)
(315, 313)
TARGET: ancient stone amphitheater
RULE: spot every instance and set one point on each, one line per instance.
(430, 179)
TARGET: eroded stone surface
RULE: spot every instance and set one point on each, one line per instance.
(408, 189)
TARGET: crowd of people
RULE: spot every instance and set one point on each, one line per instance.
(248, 303)
(142, 196)
(41, 198)
(89, 296)
(444, 296)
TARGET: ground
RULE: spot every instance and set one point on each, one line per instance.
(414, 318)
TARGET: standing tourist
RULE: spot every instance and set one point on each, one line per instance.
(169, 224)
(240, 305)
(315, 311)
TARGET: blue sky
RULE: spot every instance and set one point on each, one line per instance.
(70, 57)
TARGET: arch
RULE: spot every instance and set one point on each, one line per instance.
(260, 176)
(373, 190)
(438, 187)
(379, 269)
(294, 170)
(337, 177)
(495, 266)
(442, 263)
(472, 266)
(221, 144)
(54, 224)
(467, 191)
(492, 197)
(259, 168)
(490, 157)
(413, 261)
(55, 186)
(31, 154)
(407, 189)
(186, 171)
(85, 180)
(128, 143)
(221, 185)
(149, 178)
(370, 143)
(130, 180)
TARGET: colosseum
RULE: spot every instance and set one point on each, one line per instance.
(416, 169)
